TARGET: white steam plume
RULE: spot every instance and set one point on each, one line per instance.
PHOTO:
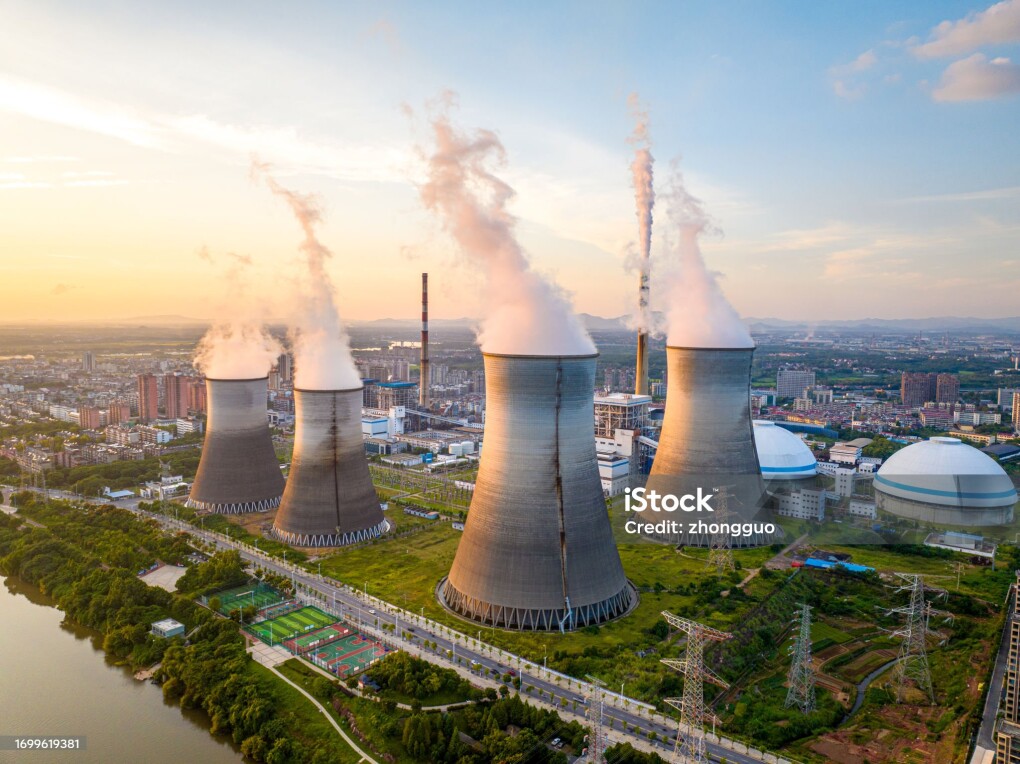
(524, 313)
(237, 345)
(644, 198)
(322, 351)
(698, 313)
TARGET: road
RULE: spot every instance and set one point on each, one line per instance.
(374, 614)
(986, 732)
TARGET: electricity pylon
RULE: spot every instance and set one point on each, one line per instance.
(720, 553)
(802, 677)
(913, 659)
(690, 739)
(597, 742)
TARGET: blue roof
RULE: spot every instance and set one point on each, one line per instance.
(397, 384)
(814, 562)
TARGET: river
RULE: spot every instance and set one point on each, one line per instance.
(54, 681)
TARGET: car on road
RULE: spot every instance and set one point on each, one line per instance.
(372, 611)
(557, 743)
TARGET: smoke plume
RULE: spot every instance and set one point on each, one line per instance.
(644, 198)
(524, 313)
(322, 351)
(237, 345)
(698, 313)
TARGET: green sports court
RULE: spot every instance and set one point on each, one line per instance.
(348, 655)
(285, 627)
(308, 641)
(257, 595)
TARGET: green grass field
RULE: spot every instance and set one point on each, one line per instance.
(257, 596)
(820, 631)
(286, 626)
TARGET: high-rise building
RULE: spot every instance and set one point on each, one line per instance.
(918, 388)
(88, 361)
(1007, 736)
(1006, 397)
(197, 396)
(285, 366)
(117, 412)
(1016, 412)
(148, 398)
(88, 417)
(947, 388)
(178, 395)
(791, 383)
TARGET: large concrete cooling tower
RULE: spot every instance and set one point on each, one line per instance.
(330, 500)
(238, 471)
(707, 438)
(537, 551)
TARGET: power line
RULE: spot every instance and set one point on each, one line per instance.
(913, 659)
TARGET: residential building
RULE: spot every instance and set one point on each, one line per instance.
(791, 383)
(918, 388)
(148, 398)
(118, 412)
(88, 361)
(89, 417)
(1007, 737)
(947, 388)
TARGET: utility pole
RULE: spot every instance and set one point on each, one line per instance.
(802, 677)
(690, 740)
(913, 659)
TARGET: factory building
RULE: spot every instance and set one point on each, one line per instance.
(538, 551)
(238, 471)
(943, 481)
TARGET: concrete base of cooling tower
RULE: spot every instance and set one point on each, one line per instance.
(536, 619)
(236, 508)
(330, 539)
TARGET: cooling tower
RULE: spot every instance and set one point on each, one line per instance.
(239, 471)
(537, 551)
(330, 500)
(707, 438)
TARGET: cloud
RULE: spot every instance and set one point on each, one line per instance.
(977, 79)
(999, 24)
(843, 76)
(1008, 192)
(55, 106)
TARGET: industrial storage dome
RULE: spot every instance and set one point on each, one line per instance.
(945, 481)
(781, 454)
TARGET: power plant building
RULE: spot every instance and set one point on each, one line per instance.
(329, 499)
(944, 481)
(537, 551)
(239, 471)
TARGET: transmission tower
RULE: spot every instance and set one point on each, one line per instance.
(597, 741)
(720, 555)
(690, 739)
(913, 659)
(802, 676)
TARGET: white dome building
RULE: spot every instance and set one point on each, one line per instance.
(781, 454)
(945, 482)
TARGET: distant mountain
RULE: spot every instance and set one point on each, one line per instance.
(159, 320)
(933, 324)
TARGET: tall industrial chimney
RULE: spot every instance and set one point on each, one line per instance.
(537, 551)
(425, 380)
(641, 367)
(708, 438)
(329, 500)
(239, 471)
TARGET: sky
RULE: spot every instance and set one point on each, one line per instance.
(857, 160)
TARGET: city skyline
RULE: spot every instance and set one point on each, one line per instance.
(853, 161)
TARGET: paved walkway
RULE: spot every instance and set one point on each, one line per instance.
(364, 756)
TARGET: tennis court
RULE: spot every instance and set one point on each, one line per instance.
(313, 639)
(286, 626)
(349, 655)
(257, 595)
